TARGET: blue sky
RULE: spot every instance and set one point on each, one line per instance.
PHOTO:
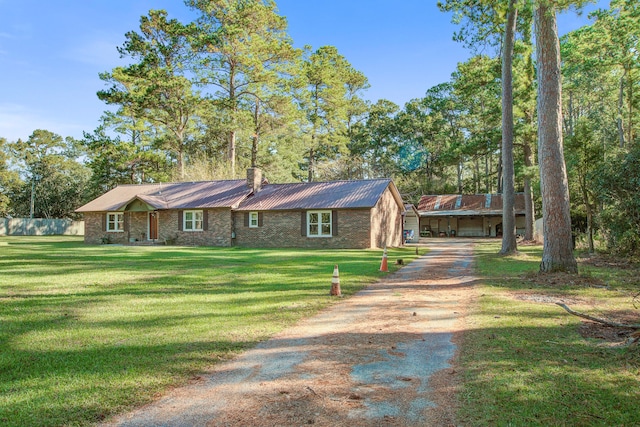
(52, 51)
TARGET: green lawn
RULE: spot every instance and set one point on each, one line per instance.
(90, 331)
(525, 361)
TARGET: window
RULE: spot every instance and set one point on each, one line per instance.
(319, 223)
(253, 220)
(192, 220)
(115, 222)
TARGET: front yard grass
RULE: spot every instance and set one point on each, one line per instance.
(527, 362)
(90, 331)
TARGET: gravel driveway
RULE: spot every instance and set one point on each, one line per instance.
(384, 357)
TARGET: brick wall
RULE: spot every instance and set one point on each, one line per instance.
(93, 228)
(283, 229)
(218, 232)
(386, 222)
(357, 228)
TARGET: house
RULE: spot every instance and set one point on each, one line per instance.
(251, 213)
(476, 215)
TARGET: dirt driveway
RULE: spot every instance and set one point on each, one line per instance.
(385, 357)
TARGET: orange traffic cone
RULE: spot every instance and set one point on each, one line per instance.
(335, 282)
(383, 264)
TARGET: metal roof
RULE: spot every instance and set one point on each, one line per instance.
(466, 204)
(236, 194)
(319, 195)
(181, 195)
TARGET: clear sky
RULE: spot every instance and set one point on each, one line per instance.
(52, 51)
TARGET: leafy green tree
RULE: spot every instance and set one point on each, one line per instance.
(55, 183)
(584, 157)
(477, 88)
(242, 47)
(155, 88)
(480, 22)
(328, 98)
(525, 120)
(373, 145)
(9, 179)
(496, 23)
(618, 188)
(615, 44)
(114, 161)
(600, 113)
(430, 130)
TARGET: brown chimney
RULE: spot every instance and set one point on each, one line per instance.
(254, 179)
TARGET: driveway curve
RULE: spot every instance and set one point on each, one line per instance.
(384, 357)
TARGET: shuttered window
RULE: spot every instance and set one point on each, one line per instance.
(115, 222)
(319, 224)
(253, 220)
(192, 220)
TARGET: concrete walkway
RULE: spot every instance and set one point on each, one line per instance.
(366, 361)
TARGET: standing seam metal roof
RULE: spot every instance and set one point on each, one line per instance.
(236, 194)
(317, 195)
(182, 195)
(467, 204)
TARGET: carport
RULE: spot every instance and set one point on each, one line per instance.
(474, 215)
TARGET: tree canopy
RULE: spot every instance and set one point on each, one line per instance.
(206, 99)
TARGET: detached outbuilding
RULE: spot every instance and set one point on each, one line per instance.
(251, 213)
(466, 215)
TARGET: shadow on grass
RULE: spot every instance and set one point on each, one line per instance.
(90, 330)
(540, 376)
(526, 362)
(86, 385)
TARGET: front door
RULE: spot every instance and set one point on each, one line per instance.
(153, 225)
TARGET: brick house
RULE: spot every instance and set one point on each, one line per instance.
(250, 213)
(468, 215)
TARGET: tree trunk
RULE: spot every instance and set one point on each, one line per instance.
(528, 141)
(557, 254)
(181, 163)
(180, 148)
(476, 175)
(487, 179)
(499, 173)
(630, 106)
(509, 244)
(590, 229)
(256, 130)
(233, 102)
(232, 152)
(588, 209)
(312, 165)
(620, 112)
(529, 213)
(570, 113)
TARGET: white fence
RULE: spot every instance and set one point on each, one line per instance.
(40, 227)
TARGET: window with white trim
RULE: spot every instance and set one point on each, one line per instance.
(319, 223)
(115, 222)
(253, 220)
(192, 220)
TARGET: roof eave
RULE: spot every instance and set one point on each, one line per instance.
(465, 213)
(396, 194)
